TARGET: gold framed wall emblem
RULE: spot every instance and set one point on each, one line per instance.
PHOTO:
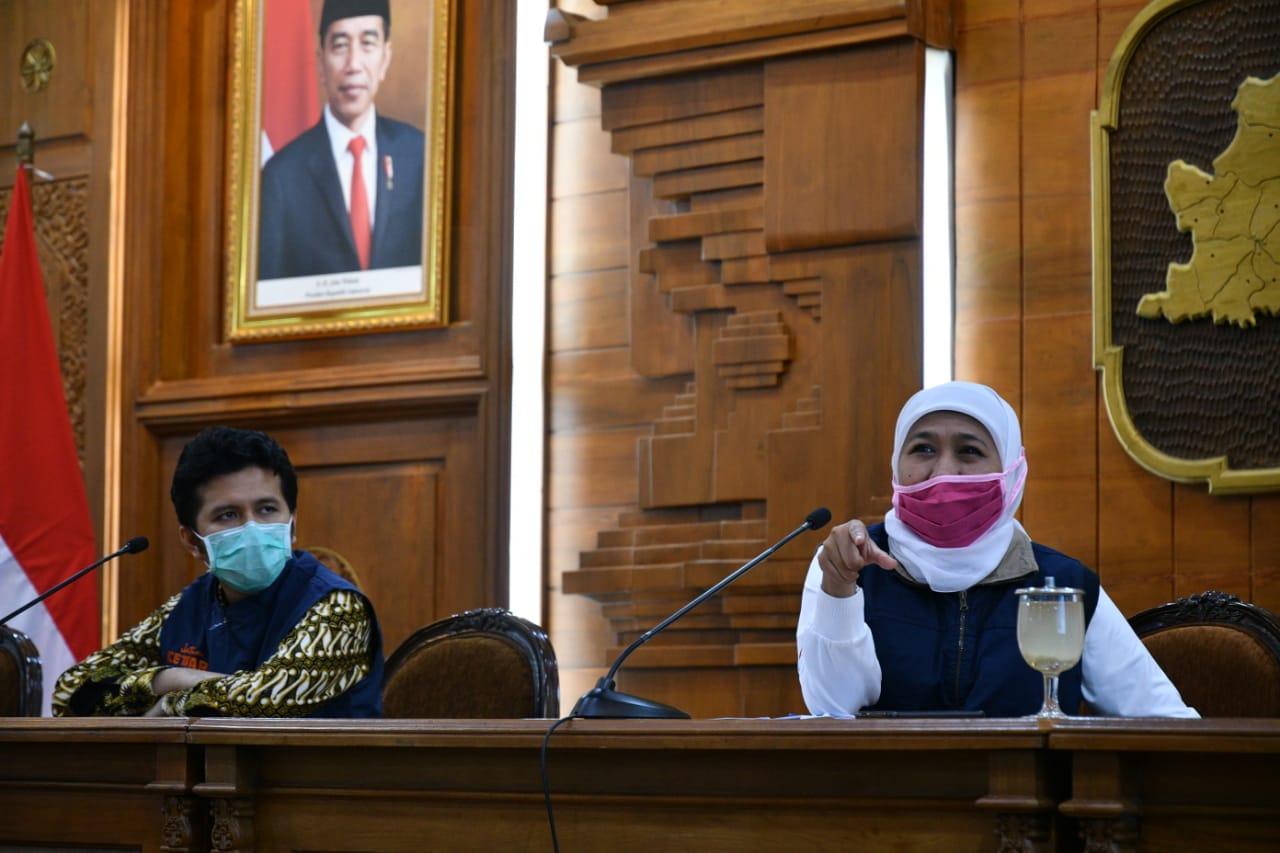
(1186, 242)
(323, 238)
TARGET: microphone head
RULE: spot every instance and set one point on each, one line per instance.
(139, 544)
(818, 518)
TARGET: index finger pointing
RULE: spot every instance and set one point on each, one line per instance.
(873, 554)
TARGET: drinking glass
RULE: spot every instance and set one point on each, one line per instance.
(1050, 636)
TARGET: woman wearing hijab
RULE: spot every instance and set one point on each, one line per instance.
(920, 612)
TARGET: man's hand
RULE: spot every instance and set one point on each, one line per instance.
(844, 552)
(180, 678)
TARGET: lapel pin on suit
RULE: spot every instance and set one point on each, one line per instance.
(386, 167)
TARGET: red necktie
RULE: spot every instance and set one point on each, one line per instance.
(359, 204)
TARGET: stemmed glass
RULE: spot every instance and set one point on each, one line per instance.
(1051, 636)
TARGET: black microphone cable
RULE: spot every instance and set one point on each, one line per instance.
(546, 784)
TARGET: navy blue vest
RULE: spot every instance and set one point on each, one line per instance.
(960, 649)
(203, 634)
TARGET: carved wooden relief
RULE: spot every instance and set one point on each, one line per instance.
(1182, 202)
(774, 221)
(1109, 836)
(232, 825)
(179, 833)
(1021, 833)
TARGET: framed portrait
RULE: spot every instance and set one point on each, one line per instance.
(339, 167)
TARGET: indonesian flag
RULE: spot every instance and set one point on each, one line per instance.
(45, 530)
(290, 94)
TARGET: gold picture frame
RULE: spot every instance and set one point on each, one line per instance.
(292, 302)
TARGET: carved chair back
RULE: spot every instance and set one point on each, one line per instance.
(486, 663)
(1223, 654)
(21, 685)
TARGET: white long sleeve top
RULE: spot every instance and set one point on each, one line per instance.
(840, 674)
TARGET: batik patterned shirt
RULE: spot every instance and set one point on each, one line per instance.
(324, 655)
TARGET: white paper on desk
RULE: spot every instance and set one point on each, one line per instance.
(796, 717)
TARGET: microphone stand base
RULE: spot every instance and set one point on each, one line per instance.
(604, 703)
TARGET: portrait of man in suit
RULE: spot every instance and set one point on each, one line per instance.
(347, 194)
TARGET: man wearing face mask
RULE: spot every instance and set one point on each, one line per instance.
(267, 631)
(919, 613)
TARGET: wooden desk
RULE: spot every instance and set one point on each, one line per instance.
(655, 785)
(98, 783)
(733, 785)
(1173, 785)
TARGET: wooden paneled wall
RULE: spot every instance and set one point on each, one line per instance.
(1028, 74)
(626, 345)
(400, 438)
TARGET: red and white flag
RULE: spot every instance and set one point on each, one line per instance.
(290, 93)
(46, 533)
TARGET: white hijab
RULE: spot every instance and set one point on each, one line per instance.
(954, 569)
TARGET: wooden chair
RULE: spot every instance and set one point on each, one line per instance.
(486, 663)
(1221, 653)
(336, 563)
(21, 688)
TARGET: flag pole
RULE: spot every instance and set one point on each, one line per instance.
(26, 155)
(26, 145)
(46, 526)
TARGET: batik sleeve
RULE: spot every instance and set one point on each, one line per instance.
(326, 654)
(116, 681)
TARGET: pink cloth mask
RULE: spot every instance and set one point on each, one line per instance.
(955, 510)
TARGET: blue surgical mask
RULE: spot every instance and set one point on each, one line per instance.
(249, 558)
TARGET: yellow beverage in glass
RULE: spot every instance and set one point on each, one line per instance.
(1051, 634)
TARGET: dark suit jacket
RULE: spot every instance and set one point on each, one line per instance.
(305, 228)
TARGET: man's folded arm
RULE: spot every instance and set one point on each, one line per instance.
(326, 654)
(116, 681)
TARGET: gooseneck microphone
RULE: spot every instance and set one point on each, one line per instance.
(604, 702)
(134, 546)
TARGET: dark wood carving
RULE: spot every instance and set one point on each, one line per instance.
(181, 819)
(1212, 608)
(1022, 833)
(1109, 836)
(232, 830)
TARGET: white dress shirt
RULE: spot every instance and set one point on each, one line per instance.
(840, 674)
(340, 137)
